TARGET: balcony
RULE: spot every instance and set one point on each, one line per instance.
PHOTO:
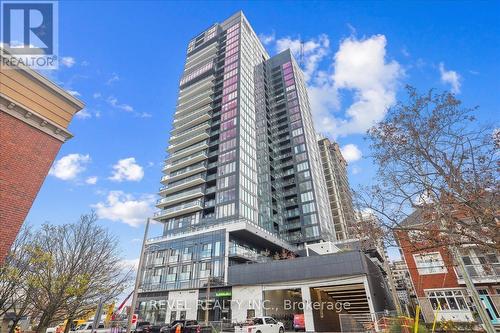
(210, 203)
(192, 105)
(195, 89)
(184, 172)
(185, 161)
(188, 151)
(197, 117)
(480, 273)
(179, 197)
(188, 182)
(243, 254)
(174, 211)
(188, 139)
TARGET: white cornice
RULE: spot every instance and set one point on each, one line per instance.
(33, 119)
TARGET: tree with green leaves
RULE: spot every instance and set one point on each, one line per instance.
(64, 272)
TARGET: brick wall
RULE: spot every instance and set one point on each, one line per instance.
(26, 155)
(432, 281)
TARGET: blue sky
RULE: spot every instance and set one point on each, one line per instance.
(124, 60)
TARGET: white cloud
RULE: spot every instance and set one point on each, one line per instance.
(83, 114)
(359, 66)
(351, 152)
(69, 166)
(113, 101)
(145, 115)
(132, 264)
(450, 77)
(127, 169)
(309, 53)
(96, 95)
(91, 180)
(74, 93)
(122, 207)
(267, 39)
(114, 78)
(68, 61)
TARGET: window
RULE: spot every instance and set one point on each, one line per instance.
(308, 208)
(299, 149)
(227, 145)
(225, 196)
(448, 299)
(228, 181)
(312, 232)
(227, 157)
(310, 219)
(430, 263)
(206, 251)
(228, 124)
(307, 196)
(228, 134)
(225, 210)
(227, 168)
(302, 166)
(270, 321)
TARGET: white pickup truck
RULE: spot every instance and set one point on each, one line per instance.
(261, 325)
(87, 328)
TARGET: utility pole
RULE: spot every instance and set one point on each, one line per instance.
(137, 278)
(473, 291)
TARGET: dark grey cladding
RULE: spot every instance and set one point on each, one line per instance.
(302, 268)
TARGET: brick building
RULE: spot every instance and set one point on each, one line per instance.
(34, 118)
(438, 281)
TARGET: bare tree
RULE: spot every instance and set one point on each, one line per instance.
(431, 154)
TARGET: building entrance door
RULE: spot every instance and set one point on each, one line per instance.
(489, 306)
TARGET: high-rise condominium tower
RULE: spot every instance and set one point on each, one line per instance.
(243, 183)
(243, 144)
(243, 171)
(337, 183)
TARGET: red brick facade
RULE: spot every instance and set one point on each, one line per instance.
(26, 155)
(432, 281)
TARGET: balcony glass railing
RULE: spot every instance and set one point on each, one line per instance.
(187, 169)
(182, 181)
(481, 271)
(246, 253)
(179, 196)
(191, 131)
(177, 208)
(180, 121)
(184, 159)
(175, 156)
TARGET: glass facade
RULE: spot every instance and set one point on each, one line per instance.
(242, 148)
(184, 263)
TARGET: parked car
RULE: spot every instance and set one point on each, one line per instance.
(299, 323)
(143, 327)
(87, 328)
(261, 325)
(187, 326)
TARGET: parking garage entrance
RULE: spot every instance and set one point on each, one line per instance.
(283, 305)
(329, 303)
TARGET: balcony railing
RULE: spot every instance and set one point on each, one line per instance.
(171, 199)
(173, 211)
(481, 272)
(184, 181)
(188, 158)
(186, 152)
(183, 135)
